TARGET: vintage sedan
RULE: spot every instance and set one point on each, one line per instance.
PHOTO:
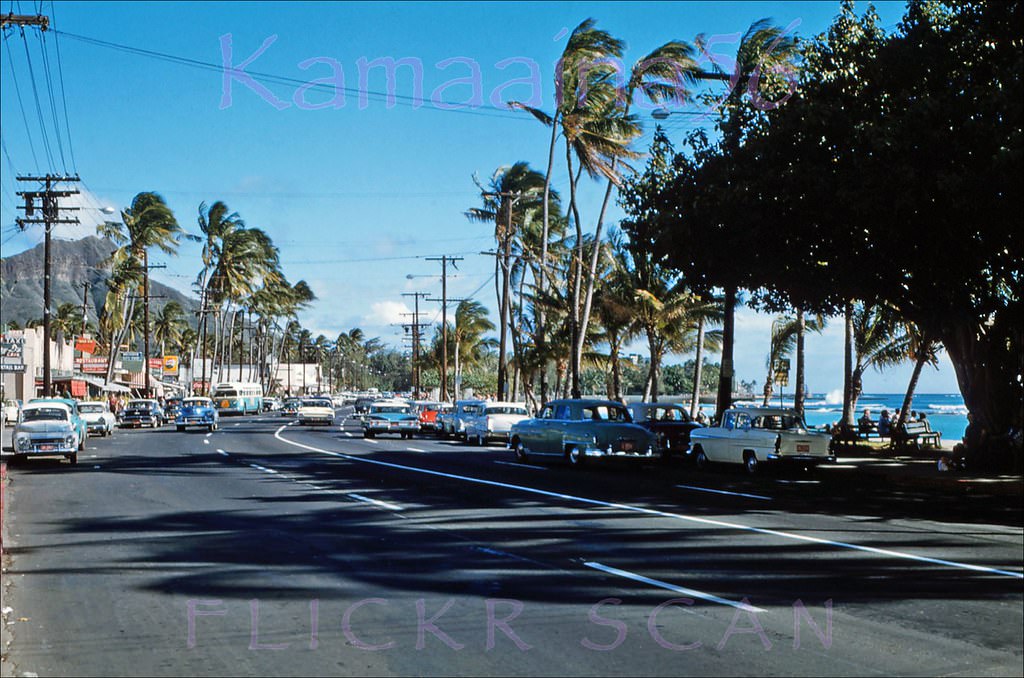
(753, 435)
(197, 411)
(391, 416)
(49, 427)
(97, 417)
(670, 423)
(142, 412)
(582, 430)
(316, 412)
(494, 422)
(290, 407)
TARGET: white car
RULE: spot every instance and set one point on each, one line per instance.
(11, 410)
(98, 418)
(752, 435)
(454, 422)
(316, 411)
(494, 422)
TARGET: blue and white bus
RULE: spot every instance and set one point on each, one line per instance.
(237, 397)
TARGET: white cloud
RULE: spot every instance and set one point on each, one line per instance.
(385, 313)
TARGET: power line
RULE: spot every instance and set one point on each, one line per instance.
(63, 96)
(489, 111)
(53, 100)
(21, 104)
(35, 94)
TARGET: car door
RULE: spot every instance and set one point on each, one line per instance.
(536, 432)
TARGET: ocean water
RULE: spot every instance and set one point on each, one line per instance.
(946, 412)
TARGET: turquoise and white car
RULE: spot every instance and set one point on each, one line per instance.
(98, 417)
(391, 416)
(197, 411)
(48, 428)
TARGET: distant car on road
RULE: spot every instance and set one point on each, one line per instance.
(142, 412)
(271, 404)
(316, 411)
(670, 423)
(98, 417)
(494, 421)
(49, 427)
(290, 407)
(754, 435)
(11, 410)
(454, 423)
(579, 430)
(197, 411)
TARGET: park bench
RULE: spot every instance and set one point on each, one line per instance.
(915, 433)
(848, 436)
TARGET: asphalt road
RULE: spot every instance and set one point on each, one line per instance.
(267, 549)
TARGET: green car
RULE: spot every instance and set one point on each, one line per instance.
(582, 430)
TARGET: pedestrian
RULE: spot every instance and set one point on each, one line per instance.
(884, 424)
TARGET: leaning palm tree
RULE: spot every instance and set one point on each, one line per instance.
(168, 325)
(879, 341)
(148, 223)
(765, 54)
(923, 350)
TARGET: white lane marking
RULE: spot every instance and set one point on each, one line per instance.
(415, 449)
(206, 442)
(672, 587)
(234, 424)
(348, 434)
(209, 434)
(512, 463)
(371, 441)
(375, 502)
(735, 494)
(654, 512)
(222, 452)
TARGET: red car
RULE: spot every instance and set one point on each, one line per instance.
(428, 412)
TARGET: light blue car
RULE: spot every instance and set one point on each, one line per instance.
(197, 412)
(49, 427)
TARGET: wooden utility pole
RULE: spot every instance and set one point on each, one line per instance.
(46, 199)
(415, 327)
(13, 19)
(444, 319)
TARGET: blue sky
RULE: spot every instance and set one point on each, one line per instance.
(355, 194)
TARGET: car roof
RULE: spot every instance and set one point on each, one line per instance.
(651, 406)
(47, 402)
(766, 411)
(504, 403)
(586, 402)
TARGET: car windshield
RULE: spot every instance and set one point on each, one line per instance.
(506, 410)
(318, 403)
(140, 403)
(44, 414)
(225, 392)
(391, 409)
(90, 408)
(196, 402)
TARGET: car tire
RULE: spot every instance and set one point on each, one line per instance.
(179, 428)
(480, 441)
(520, 450)
(574, 455)
(73, 458)
(81, 442)
(751, 463)
(367, 434)
(701, 460)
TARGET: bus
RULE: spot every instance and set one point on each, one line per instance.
(237, 397)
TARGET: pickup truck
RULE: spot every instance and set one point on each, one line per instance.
(753, 435)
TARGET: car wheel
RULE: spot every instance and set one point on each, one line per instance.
(81, 442)
(367, 434)
(214, 426)
(520, 450)
(179, 428)
(750, 463)
(73, 458)
(575, 456)
(480, 440)
(702, 460)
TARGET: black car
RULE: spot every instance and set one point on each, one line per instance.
(142, 413)
(363, 404)
(671, 423)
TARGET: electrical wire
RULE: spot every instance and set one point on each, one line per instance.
(63, 96)
(21, 104)
(39, 108)
(53, 102)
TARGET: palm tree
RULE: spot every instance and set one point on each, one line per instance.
(764, 52)
(169, 325)
(879, 341)
(148, 223)
(510, 195)
(923, 351)
(470, 346)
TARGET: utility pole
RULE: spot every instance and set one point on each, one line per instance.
(47, 199)
(13, 19)
(415, 327)
(85, 306)
(444, 319)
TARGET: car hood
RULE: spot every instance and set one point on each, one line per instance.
(93, 416)
(393, 416)
(194, 411)
(44, 427)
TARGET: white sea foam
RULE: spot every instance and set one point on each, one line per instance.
(834, 397)
(949, 409)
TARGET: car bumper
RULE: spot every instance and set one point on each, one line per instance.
(801, 459)
(609, 452)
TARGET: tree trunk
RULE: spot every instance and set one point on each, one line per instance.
(697, 368)
(849, 402)
(540, 341)
(726, 372)
(576, 350)
(908, 399)
(799, 395)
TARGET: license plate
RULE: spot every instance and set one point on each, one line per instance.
(628, 445)
(803, 447)
(47, 448)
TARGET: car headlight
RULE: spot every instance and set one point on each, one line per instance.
(69, 441)
(23, 441)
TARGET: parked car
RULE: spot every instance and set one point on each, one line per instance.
(670, 423)
(271, 404)
(753, 435)
(391, 416)
(290, 407)
(98, 418)
(453, 424)
(579, 430)
(494, 422)
(316, 411)
(197, 411)
(142, 412)
(49, 427)
(11, 410)
(428, 414)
